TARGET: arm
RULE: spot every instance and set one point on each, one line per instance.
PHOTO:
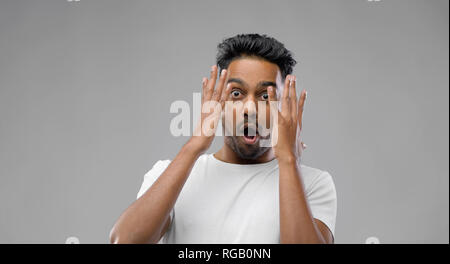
(147, 219)
(297, 224)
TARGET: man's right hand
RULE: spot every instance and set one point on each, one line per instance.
(148, 218)
(213, 101)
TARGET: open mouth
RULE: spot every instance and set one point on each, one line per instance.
(251, 135)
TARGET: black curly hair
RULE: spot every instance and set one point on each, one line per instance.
(262, 46)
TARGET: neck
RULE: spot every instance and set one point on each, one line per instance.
(226, 154)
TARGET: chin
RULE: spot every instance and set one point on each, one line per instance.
(245, 151)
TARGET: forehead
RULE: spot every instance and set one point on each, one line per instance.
(253, 70)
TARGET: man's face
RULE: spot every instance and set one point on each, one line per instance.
(249, 78)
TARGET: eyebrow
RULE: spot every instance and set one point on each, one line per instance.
(260, 84)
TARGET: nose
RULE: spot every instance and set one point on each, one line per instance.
(250, 109)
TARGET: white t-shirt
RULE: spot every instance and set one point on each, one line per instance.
(233, 203)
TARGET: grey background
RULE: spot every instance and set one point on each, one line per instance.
(85, 91)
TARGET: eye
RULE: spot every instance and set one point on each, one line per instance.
(235, 94)
(265, 96)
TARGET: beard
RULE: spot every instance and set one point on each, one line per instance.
(245, 151)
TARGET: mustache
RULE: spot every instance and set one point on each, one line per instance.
(253, 129)
(245, 128)
(246, 125)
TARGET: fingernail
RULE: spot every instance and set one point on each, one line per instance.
(306, 94)
(223, 72)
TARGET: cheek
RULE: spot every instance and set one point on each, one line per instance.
(264, 122)
(268, 117)
(265, 117)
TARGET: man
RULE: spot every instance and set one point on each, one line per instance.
(246, 192)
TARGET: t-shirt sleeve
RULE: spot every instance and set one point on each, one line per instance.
(151, 176)
(322, 200)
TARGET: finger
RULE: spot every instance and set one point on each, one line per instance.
(204, 85)
(225, 94)
(285, 96)
(271, 93)
(211, 82)
(301, 104)
(293, 98)
(218, 91)
(272, 98)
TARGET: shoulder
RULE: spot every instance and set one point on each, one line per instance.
(159, 166)
(152, 175)
(321, 193)
(315, 178)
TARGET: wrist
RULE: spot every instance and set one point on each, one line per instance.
(193, 147)
(287, 159)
